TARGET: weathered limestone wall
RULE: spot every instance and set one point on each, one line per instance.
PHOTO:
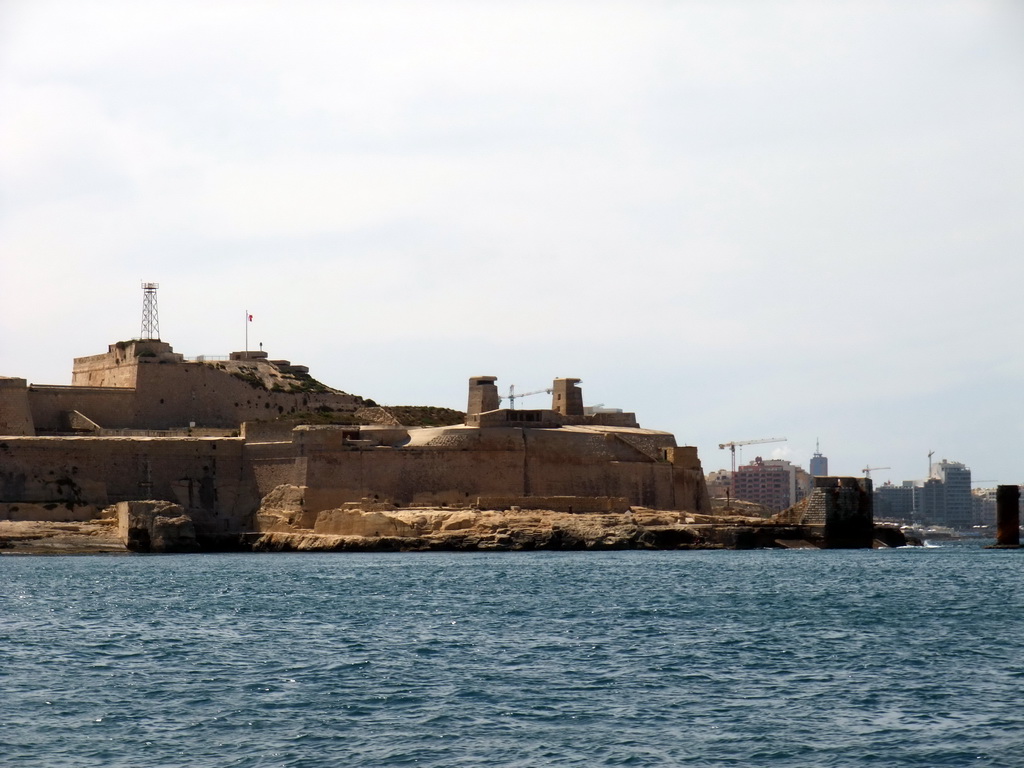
(110, 407)
(168, 395)
(564, 462)
(207, 476)
(689, 486)
(459, 465)
(269, 465)
(116, 367)
(51, 512)
(15, 413)
(174, 395)
(409, 476)
(268, 431)
(450, 467)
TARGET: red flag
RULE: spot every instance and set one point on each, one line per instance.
(250, 318)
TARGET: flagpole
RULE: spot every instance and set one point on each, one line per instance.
(247, 334)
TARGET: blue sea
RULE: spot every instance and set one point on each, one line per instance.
(907, 657)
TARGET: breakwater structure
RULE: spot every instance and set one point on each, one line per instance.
(164, 453)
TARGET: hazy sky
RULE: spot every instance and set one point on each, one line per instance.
(739, 219)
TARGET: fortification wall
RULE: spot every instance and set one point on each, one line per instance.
(176, 394)
(405, 476)
(106, 370)
(208, 476)
(15, 413)
(269, 465)
(689, 486)
(458, 465)
(173, 395)
(564, 462)
(110, 407)
(116, 367)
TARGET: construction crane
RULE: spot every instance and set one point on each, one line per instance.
(867, 470)
(732, 446)
(512, 396)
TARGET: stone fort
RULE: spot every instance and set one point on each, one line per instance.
(217, 435)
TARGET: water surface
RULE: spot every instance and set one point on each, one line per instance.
(910, 657)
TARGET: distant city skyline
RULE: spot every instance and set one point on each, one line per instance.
(738, 220)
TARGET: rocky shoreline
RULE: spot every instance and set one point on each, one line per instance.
(34, 537)
(422, 530)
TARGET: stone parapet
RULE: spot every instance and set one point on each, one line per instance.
(15, 412)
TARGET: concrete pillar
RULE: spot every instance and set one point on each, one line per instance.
(1008, 516)
(483, 395)
(566, 397)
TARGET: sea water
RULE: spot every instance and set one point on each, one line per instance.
(908, 657)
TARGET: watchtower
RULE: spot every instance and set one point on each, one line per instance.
(566, 397)
(483, 395)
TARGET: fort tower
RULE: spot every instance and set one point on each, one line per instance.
(483, 395)
(566, 397)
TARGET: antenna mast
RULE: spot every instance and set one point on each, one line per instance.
(150, 315)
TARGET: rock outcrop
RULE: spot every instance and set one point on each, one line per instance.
(155, 526)
(285, 524)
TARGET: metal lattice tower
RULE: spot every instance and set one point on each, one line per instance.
(150, 315)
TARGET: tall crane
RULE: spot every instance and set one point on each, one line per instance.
(512, 396)
(867, 470)
(732, 446)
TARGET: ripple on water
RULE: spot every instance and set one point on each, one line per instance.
(561, 659)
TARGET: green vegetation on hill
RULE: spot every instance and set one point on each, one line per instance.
(404, 415)
(260, 374)
(426, 415)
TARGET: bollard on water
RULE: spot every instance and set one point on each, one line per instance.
(1008, 516)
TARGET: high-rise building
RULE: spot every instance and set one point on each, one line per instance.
(896, 502)
(771, 483)
(943, 499)
(955, 508)
(819, 463)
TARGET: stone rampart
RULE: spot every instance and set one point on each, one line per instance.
(166, 393)
(15, 412)
(117, 367)
(207, 476)
(269, 465)
(459, 464)
(175, 395)
(422, 476)
(110, 407)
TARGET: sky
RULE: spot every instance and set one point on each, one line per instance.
(739, 219)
